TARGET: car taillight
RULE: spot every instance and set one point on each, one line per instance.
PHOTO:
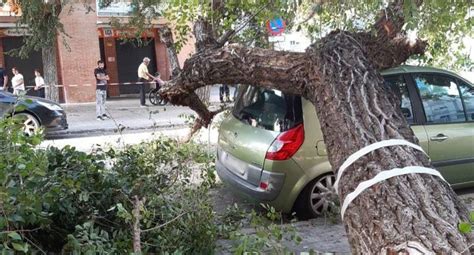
(286, 144)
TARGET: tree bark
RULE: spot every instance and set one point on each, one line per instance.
(137, 207)
(50, 71)
(339, 75)
(167, 38)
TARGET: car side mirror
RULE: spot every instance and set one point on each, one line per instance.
(406, 112)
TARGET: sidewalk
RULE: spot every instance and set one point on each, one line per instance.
(126, 114)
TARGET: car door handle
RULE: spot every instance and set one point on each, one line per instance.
(438, 138)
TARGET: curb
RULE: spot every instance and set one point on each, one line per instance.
(65, 134)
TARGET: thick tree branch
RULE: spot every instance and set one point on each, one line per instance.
(390, 46)
(339, 76)
(236, 64)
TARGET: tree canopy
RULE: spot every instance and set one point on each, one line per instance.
(445, 25)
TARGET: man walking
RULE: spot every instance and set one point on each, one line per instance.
(101, 77)
(144, 77)
(18, 82)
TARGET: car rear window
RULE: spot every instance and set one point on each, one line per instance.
(268, 108)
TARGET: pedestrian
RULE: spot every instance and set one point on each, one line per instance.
(18, 82)
(224, 91)
(158, 80)
(144, 77)
(101, 77)
(3, 79)
(39, 84)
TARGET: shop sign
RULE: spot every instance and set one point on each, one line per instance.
(5, 32)
(114, 8)
(110, 32)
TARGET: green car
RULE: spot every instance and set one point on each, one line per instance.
(271, 147)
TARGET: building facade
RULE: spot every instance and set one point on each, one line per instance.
(90, 38)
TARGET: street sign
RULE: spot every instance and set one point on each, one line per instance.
(276, 26)
(278, 38)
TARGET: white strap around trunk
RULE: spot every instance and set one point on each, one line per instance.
(367, 149)
(383, 176)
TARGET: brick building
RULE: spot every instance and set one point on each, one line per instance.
(91, 38)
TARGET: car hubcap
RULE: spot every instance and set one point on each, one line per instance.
(323, 195)
(30, 125)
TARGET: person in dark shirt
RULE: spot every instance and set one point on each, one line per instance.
(102, 78)
(224, 91)
(3, 79)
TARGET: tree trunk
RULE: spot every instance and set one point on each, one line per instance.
(50, 71)
(405, 214)
(167, 38)
(355, 110)
(204, 94)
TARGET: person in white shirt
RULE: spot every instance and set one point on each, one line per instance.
(18, 82)
(144, 78)
(39, 83)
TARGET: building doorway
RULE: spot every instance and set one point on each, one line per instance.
(25, 66)
(129, 56)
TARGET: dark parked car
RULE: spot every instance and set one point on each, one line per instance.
(38, 112)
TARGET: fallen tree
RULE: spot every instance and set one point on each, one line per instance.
(412, 213)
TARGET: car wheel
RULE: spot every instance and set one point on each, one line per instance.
(317, 198)
(31, 124)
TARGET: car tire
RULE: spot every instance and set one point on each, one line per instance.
(31, 124)
(317, 198)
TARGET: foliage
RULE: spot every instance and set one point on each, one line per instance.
(40, 24)
(246, 17)
(444, 24)
(466, 226)
(270, 234)
(63, 200)
(22, 170)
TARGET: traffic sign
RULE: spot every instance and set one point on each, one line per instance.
(276, 26)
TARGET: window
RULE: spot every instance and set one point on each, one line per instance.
(467, 94)
(268, 109)
(440, 97)
(399, 86)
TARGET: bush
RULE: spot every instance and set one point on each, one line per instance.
(62, 200)
(65, 201)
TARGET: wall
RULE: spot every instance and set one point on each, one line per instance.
(78, 64)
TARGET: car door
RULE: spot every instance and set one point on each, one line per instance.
(409, 107)
(450, 132)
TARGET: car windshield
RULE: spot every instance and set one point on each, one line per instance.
(268, 109)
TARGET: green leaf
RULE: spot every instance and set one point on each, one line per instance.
(20, 108)
(465, 227)
(28, 101)
(35, 140)
(14, 236)
(20, 247)
(471, 217)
